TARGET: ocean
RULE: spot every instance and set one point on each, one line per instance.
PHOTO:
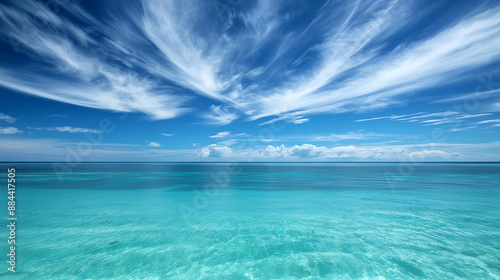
(255, 221)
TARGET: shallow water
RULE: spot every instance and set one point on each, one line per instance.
(256, 221)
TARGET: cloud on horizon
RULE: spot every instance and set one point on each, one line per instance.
(311, 151)
(14, 149)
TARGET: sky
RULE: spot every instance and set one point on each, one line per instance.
(233, 80)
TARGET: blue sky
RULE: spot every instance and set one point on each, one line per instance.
(250, 80)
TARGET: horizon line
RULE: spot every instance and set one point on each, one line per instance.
(477, 162)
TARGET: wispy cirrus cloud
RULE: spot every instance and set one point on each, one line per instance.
(226, 134)
(219, 115)
(9, 130)
(489, 121)
(221, 134)
(392, 117)
(14, 149)
(267, 59)
(288, 117)
(360, 135)
(463, 128)
(7, 118)
(69, 129)
(442, 58)
(438, 118)
(474, 96)
(75, 69)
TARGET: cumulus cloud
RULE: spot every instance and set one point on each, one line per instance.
(310, 151)
(215, 150)
(431, 154)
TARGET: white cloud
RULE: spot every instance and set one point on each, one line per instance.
(373, 119)
(309, 151)
(72, 74)
(349, 136)
(74, 129)
(228, 142)
(65, 151)
(216, 151)
(9, 130)
(475, 96)
(154, 144)
(473, 116)
(431, 154)
(6, 118)
(219, 115)
(185, 46)
(166, 24)
(433, 119)
(221, 134)
(489, 121)
(226, 134)
(239, 134)
(462, 128)
(435, 61)
(70, 129)
(168, 134)
(494, 107)
(289, 117)
(392, 117)
(432, 115)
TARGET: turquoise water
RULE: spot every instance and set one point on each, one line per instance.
(256, 221)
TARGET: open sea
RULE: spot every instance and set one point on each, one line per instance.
(254, 221)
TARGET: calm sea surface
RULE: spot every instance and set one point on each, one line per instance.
(255, 221)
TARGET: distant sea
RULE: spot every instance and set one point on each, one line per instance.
(255, 221)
